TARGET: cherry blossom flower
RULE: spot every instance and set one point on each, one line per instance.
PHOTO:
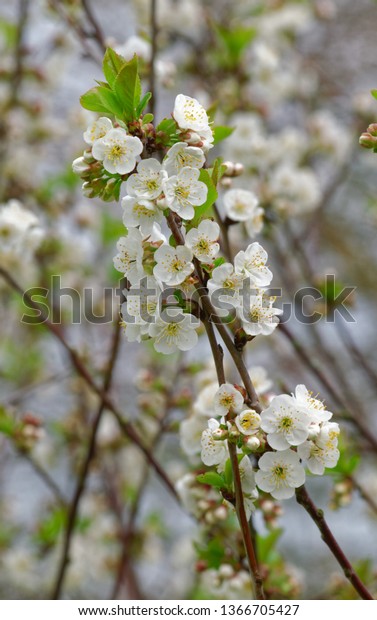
(240, 205)
(140, 212)
(180, 155)
(190, 114)
(178, 333)
(98, 130)
(228, 398)
(173, 265)
(228, 281)
(317, 458)
(129, 259)
(248, 422)
(147, 181)
(118, 151)
(259, 317)
(251, 263)
(203, 241)
(315, 407)
(214, 451)
(285, 424)
(184, 191)
(280, 473)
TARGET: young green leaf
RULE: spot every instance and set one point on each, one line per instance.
(374, 93)
(143, 104)
(111, 65)
(166, 132)
(101, 99)
(220, 133)
(212, 479)
(204, 210)
(127, 88)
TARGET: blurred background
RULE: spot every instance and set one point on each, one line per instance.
(294, 79)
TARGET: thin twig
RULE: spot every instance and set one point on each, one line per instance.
(97, 32)
(306, 502)
(81, 482)
(45, 476)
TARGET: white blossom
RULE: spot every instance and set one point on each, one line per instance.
(295, 190)
(147, 181)
(177, 333)
(98, 130)
(228, 397)
(240, 205)
(318, 458)
(248, 422)
(229, 282)
(181, 155)
(140, 212)
(314, 406)
(285, 424)
(142, 304)
(260, 379)
(190, 114)
(259, 317)
(280, 473)
(190, 432)
(173, 265)
(20, 232)
(129, 259)
(251, 263)
(204, 402)
(118, 151)
(203, 241)
(214, 452)
(184, 191)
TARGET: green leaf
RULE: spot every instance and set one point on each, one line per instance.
(111, 65)
(212, 479)
(127, 88)
(147, 118)
(221, 132)
(101, 99)
(219, 261)
(211, 111)
(143, 104)
(166, 132)
(218, 170)
(204, 210)
(374, 93)
(266, 545)
(235, 41)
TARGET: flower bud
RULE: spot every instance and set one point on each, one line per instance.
(80, 166)
(368, 141)
(253, 443)
(226, 571)
(220, 513)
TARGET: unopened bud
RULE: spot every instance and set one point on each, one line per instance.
(253, 443)
(368, 141)
(220, 513)
(226, 571)
(219, 434)
(80, 166)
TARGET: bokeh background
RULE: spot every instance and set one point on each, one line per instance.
(294, 78)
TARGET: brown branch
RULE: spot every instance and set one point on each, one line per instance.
(82, 479)
(306, 502)
(97, 32)
(45, 476)
(217, 353)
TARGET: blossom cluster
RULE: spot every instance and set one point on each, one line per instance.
(159, 268)
(20, 234)
(293, 431)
